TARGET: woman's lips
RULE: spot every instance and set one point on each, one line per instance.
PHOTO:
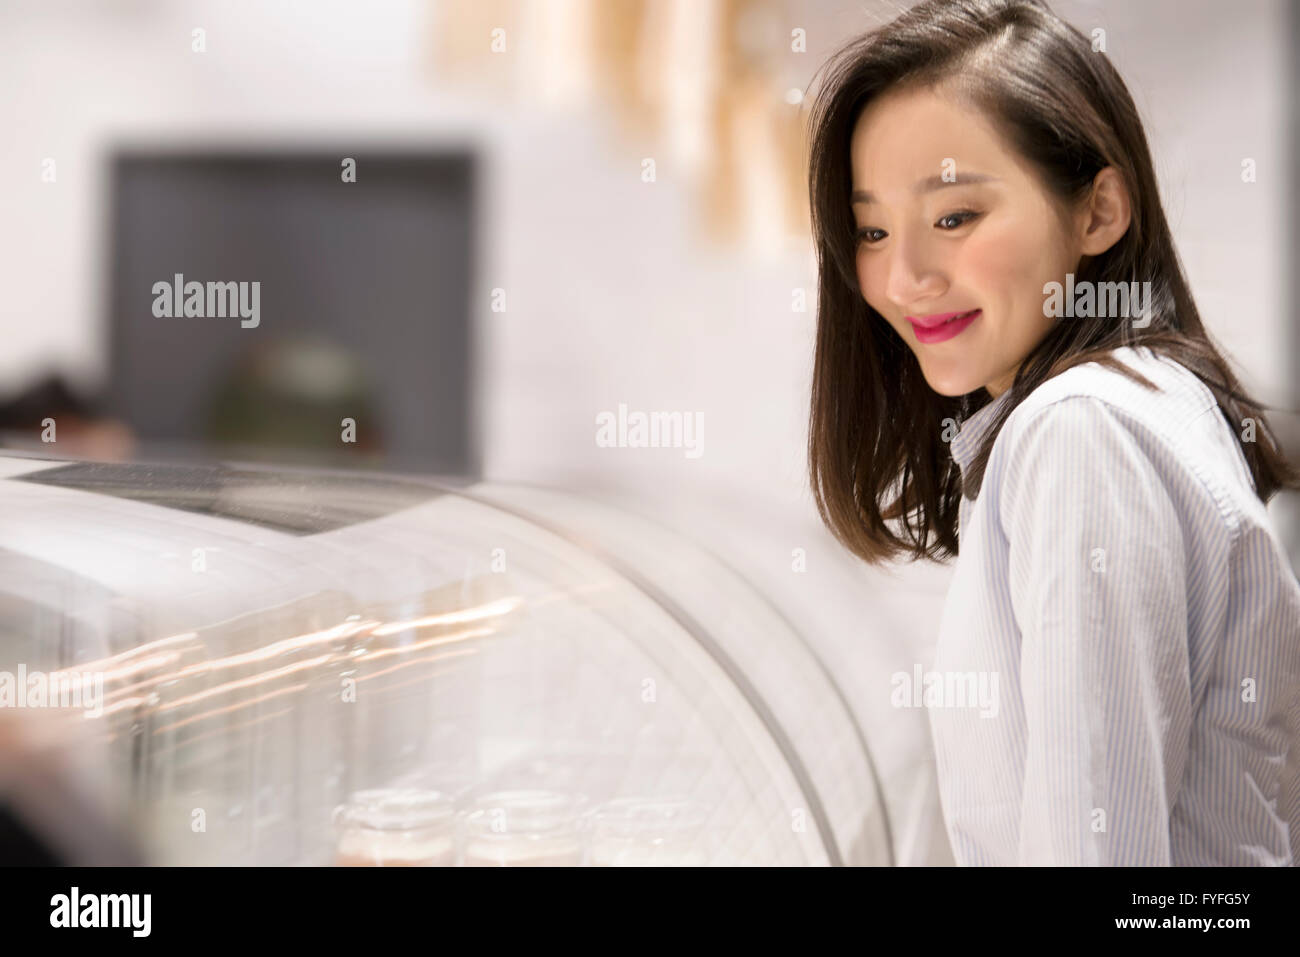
(931, 329)
(937, 319)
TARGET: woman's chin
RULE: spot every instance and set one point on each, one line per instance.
(950, 383)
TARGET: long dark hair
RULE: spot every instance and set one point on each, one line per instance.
(1064, 108)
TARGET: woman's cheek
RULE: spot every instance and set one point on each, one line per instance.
(1009, 254)
(985, 257)
(869, 281)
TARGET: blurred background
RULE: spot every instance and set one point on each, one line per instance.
(479, 225)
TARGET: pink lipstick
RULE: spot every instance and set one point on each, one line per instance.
(942, 325)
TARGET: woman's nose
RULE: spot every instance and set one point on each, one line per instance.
(911, 274)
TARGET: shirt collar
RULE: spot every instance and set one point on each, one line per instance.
(972, 432)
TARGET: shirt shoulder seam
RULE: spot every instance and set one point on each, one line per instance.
(1229, 514)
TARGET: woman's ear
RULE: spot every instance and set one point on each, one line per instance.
(1106, 214)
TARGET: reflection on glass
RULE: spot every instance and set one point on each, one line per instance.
(275, 644)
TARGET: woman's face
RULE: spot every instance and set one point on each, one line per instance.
(950, 220)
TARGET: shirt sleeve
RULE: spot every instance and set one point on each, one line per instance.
(1097, 575)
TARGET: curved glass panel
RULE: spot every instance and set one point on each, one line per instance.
(320, 667)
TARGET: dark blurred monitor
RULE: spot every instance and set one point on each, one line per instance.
(363, 305)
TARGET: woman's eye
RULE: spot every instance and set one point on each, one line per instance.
(963, 217)
(870, 235)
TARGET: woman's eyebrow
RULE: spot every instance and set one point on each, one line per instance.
(929, 185)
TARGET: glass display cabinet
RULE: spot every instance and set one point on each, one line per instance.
(296, 667)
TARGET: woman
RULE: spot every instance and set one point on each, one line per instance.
(1007, 348)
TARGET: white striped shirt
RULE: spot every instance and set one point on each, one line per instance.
(1119, 575)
